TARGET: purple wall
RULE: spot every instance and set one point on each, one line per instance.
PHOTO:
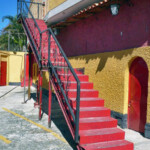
(104, 33)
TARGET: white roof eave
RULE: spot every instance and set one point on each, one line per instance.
(67, 9)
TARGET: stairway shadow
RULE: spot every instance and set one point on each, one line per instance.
(57, 117)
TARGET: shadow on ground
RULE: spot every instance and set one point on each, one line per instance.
(57, 117)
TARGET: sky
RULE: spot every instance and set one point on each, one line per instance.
(7, 7)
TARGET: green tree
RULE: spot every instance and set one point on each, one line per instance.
(3, 40)
(16, 33)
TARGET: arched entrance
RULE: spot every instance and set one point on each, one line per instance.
(138, 91)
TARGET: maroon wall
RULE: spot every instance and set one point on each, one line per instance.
(104, 33)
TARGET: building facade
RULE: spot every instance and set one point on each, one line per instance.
(114, 50)
(10, 61)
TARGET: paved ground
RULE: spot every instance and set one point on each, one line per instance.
(24, 135)
(20, 128)
(140, 143)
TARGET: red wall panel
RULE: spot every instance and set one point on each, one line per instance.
(105, 33)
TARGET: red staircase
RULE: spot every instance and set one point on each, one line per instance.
(97, 130)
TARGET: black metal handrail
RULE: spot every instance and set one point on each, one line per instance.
(33, 44)
(30, 2)
(20, 11)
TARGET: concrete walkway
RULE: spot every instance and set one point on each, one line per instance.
(20, 128)
(29, 133)
(140, 143)
(5, 90)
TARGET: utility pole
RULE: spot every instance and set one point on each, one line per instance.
(9, 34)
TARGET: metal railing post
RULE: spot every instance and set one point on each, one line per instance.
(49, 45)
(77, 112)
(17, 6)
(25, 61)
(40, 45)
(50, 102)
(9, 34)
(40, 100)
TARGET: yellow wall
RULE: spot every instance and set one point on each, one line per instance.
(54, 3)
(110, 74)
(34, 10)
(15, 68)
(15, 65)
(35, 76)
(45, 80)
(49, 5)
(35, 73)
(108, 71)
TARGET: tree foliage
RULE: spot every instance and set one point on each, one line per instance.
(14, 33)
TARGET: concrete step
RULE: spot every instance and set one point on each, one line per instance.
(101, 135)
(110, 145)
(97, 123)
(88, 102)
(87, 112)
(86, 93)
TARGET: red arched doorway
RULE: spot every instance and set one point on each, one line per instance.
(138, 91)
